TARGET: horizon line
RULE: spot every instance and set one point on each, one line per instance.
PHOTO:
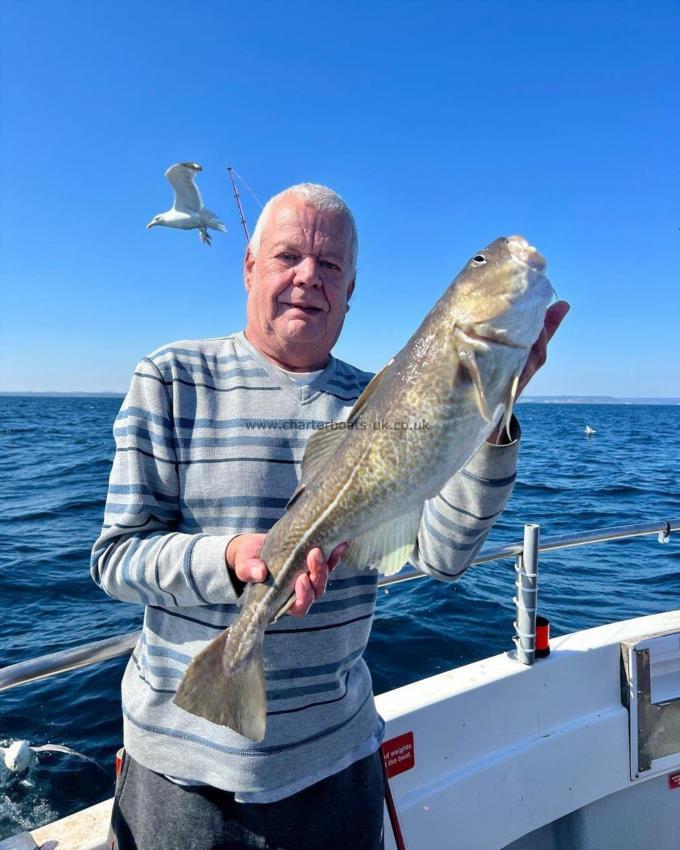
(525, 399)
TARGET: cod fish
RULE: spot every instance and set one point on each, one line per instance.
(366, 480)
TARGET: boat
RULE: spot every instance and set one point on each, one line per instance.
(579, 748)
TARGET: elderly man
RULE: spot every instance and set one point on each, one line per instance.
(208, 447)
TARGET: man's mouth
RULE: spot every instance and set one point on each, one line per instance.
(308, 309)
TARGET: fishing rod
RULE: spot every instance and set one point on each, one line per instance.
(238, 201)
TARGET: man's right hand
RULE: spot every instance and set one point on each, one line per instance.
(243, 558)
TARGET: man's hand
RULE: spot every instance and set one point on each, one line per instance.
(539, 352)
(537, 357)
(243, 557)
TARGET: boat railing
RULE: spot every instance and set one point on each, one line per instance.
(525, 552)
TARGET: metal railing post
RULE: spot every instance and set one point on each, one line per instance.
(526, 585)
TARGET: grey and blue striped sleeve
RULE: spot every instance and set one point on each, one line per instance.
(457, 521)
(139, 555)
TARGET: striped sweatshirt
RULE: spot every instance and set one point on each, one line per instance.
(209, 442)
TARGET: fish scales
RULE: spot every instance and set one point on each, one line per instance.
(366, 480)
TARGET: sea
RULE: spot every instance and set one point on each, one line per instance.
(55, 458)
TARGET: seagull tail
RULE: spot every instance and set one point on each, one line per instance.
(212, 221)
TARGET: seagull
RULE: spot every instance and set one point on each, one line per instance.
(19, 756)
(187, 211)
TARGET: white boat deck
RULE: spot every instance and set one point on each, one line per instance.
(502, 749)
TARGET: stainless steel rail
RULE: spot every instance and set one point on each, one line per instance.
(67, 659)
(103, 650)
(620, 532)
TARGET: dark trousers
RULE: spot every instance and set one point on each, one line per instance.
(343, 812)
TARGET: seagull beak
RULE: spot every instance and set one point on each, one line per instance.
(150, 224)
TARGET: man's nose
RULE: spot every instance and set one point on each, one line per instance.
(307, 272)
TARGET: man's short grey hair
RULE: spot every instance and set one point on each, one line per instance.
(321, 198)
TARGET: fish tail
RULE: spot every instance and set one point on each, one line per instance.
(237, 700)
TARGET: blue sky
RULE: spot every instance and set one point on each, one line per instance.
(444, 125)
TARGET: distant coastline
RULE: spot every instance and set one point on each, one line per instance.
(597, 399)
(532, 399)
(36, 394)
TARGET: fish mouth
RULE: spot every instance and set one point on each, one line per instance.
(525, 253)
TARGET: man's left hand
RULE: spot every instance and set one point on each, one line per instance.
(539, 351)
(537, 357)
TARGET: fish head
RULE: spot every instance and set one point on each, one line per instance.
(504, 287)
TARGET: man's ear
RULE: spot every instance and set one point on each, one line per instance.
(350, 288)
(248, 263)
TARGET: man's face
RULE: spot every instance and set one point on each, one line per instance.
(299, 283)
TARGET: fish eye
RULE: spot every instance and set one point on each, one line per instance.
(479, 260)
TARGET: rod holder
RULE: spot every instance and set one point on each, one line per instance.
(526, 590)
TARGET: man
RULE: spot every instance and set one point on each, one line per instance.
(208, 447)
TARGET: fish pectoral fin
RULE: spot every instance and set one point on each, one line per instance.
(469, 362)
(510, 397)
(386, 547)
(238, 700)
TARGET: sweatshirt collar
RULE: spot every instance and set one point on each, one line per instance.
(303, 393)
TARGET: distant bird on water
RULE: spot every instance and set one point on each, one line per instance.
(188, 212)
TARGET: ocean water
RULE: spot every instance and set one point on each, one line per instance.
(55, 456)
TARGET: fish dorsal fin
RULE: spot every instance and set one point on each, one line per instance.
(386, 547)
(368, 392)
(323, 443)
(318, 451)
(295, 496)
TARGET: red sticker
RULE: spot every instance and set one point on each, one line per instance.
(674, 780)
(398, 754)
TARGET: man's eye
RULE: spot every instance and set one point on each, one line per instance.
(327, 264)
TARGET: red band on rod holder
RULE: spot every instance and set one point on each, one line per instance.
(542, 637)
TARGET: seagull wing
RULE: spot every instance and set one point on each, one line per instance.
(182, 178)
(59, 748)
